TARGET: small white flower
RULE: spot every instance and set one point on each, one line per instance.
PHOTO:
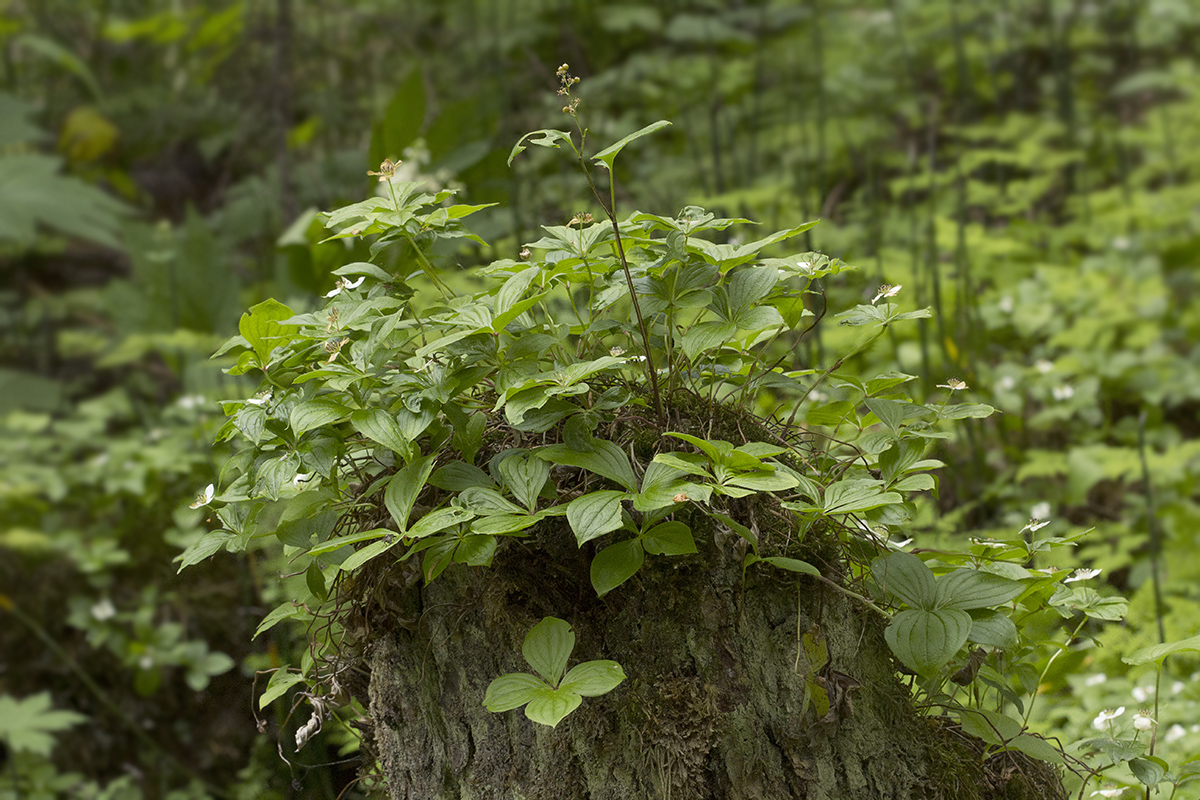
(1142, 721)
(1175, 733)
(204, 498)
(1082, 575)
(1095, 680)
(103, 610)
(345, 284)
(302, 478)
(804, 266)
(1104, 717)
(1141, 693)
(1035, 525)
(1040, 511)
(989, 543)
(1177, 687)
(1006, 383)
(1043, 366)
(146, 661)
(1064, 392)
(887, 290)
(616, 351)
(1117, 792)
(953, 384)
(190, 401)
(260, 399)
(1006, 304)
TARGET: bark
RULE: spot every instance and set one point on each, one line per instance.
(714, 706)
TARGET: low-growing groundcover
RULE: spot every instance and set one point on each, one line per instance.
(601, 490)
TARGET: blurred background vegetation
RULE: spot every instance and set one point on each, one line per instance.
(1027, 168)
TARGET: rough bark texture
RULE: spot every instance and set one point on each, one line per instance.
(713, 707)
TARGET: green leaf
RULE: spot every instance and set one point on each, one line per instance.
(317, 413)
(459, 475)
(994, 629)
(790, 564)
(546, 138)
(990, 726)
(1149, 770)
(607, 460)
(595, 514)
(907, 578)
(337, 542)
(365, 554)
(669, 539)
(549, 706)
(926, 640)
(280, 682)
(1159, 652)
(609, 154)
(380, 426)
(1037, 747)
(968, 588)
(616, 564)
(403, 489)
(475, 550)
(316, 581)
(285, 610)
(438, 520)
(593, 678)
(547, 647)
(29, 725)
(261, 328)
(512, 691)
(208, 544)
(890, 412)
(1067, 600)
(964, 411)
(705, 336)
(525, 475)
(854, 496)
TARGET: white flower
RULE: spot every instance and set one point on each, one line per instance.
(1007, 383)
(1082, 575)
(1006, 304)
(616, 351)
(1063, 392)
(260, 399)
(1035, 525)
(1141, 693)
(1040, 511)
(1142, 721)
(191, 401)
(1043, 366)
(1177, 687)
(886, 290)
(104, 610)
(1175, 733)
(302, 478)
(1095, 680)
(204, 498)
(345, 284)
(953, 384)
(1108, 792)
(146, 661)
(804, 266)
(1102, 719)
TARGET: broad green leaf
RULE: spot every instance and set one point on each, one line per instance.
(438, 520)
(317, 413)
(1037, 747)
(609, 154)
(854, 496)
(546, 138)
(500, 524)
(926, 640)
(669, 539)
(512, 691)
(547, 647)
(459, 475)
(964, 411)
(280, 682)
(616, 564)
(316, 581)
(549, 706)
(475, 550)
(365, 554)
(403, 489)
(1159, 652)
(907, 578)
(922, 482)
(29, 725)
(705, 336)
(524, 475)
(890, 412)
(593, 678)
(595, 514)
(380, 426)
(790, 564)
(994, 629)
(351, 538)
(738, 528)
(285, 610)
(261, 327)
(1066, 600)
(967, 589)
(607, 460)
(438, 557)
(208, 544)
(763, 481)
(484, 500)
(1149, 770)
(991, 726)
(513, 288)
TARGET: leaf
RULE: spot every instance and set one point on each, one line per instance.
(854, 496)
(1066, 600)
(609, 154)
(365, 554)
(907, 578)
(29, 725)
(285, 610)
(1037, 747)
(616, 564)
(512, 691)
(547, 647)
(994, 630)
(317, 413)
(926, 640)
(968, 588)
(280, 682)
(669, 539)
(380, 426)
(550, 706)
(316, 581)
(593, 678)
(438, 520)
(337, 542)
(1149, 770)
(705, 336)
(525, 475)
(403, 489)
(261, 328)
(964, 411)
(475, 550)
(208, 544)
(890, 412)
(790, 564)
(1159, 652)
(459, 475)
(548, 138)
(991, 726)
(595, 514)
(606, 460)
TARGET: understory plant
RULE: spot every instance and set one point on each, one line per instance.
(636, 376)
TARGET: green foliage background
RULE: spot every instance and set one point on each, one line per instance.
(1024, 168)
